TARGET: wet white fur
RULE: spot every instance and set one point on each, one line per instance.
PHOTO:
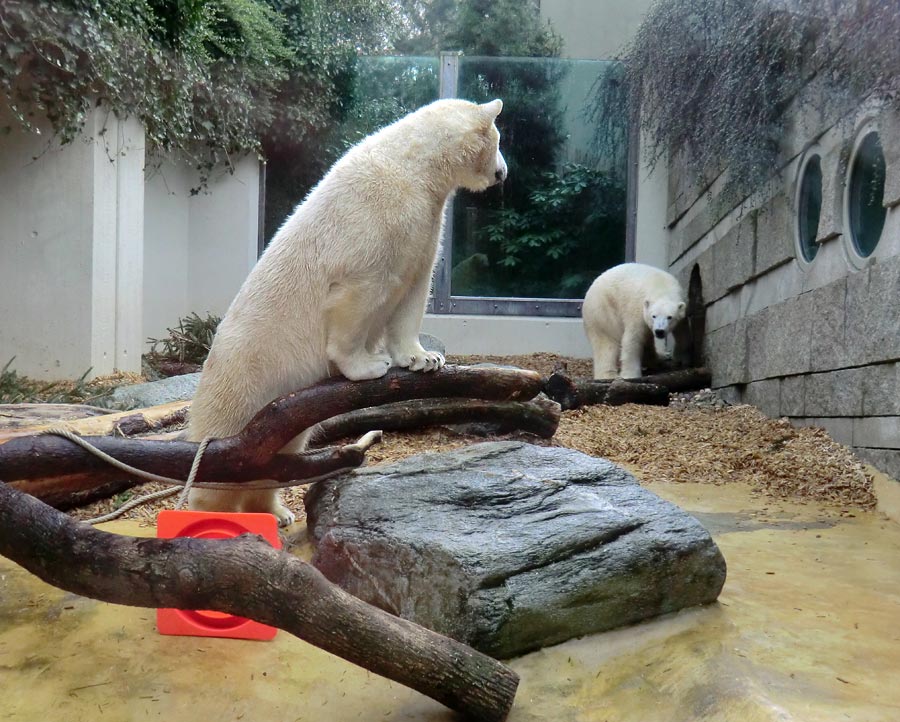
(344, 283)
(622, 308)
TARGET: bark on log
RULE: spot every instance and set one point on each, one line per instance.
(692, 379)
(539, 417)
(653, 389)
(121, 422)
(26, 416)
(55, 470)
(247, 577)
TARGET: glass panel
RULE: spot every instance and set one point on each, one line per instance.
(559, 220)
(380, 90)
(384, 89)
(867, 211)
(810, 208)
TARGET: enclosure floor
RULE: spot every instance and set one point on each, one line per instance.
(807, 629)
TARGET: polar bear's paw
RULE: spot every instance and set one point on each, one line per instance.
(362, 367)
(418, 360)
(284, 515)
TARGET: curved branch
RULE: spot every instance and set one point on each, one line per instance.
(245, 576)
(539, 417)
(57, 471)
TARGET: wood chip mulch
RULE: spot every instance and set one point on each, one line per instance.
(680, 443)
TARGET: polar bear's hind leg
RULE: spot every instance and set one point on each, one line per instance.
(632, 350)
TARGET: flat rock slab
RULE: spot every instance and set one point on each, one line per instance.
(510, 547)
(152, 393)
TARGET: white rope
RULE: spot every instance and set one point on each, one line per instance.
(161, 494)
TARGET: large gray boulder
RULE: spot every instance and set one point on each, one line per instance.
(510, 547)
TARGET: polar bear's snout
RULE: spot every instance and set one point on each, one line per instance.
(659, 333)
(500, 172)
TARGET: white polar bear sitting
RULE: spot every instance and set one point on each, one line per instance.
(625, 308)
(344, 284)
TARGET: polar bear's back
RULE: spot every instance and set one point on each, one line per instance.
(639, 279)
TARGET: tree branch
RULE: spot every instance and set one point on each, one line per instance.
(539, 417)
(59, 472)
(245, 576)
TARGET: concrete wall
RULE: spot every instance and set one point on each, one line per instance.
(71, 249)
(818, 343)
(97, 254)
(594, 29)
(200, 247)
(506, 335)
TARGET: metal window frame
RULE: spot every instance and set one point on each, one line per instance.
(442, 301)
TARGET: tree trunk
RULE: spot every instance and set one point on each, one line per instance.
(245, 576)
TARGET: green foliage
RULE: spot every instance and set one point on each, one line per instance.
(712, 78)
(552, 246)
(201, 77)
(208, 78)
(190, 342)
(510, 28)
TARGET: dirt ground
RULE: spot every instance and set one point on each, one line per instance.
(684, 442)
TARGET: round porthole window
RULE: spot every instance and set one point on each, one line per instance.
(809, 208)
(865, 195)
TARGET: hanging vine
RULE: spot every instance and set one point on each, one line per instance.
(711, 79)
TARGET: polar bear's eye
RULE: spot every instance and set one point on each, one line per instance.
(669, 317)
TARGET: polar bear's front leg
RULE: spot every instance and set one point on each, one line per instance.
(402, 332)
(632, 350)
(349, 317)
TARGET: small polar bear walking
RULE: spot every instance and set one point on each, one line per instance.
(344, 284)
(627, 307)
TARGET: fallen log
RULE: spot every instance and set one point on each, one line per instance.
(539, 417)
(102, 422)
(654, 389)
(55, 470)
(14, 417)
(245, 576)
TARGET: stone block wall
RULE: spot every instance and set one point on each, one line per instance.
(817, 342)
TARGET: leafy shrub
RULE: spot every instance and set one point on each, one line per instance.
(554, 246)
(190, 342)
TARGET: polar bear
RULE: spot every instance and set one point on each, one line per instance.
(625, 308)
(344, 284)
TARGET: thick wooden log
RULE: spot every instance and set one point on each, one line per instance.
(123, 423)
(54, 469)
(247, 577)
(26, 416)
(654, 389)
(678, 380)
(539, 417)
(572, 393)
(64, 475)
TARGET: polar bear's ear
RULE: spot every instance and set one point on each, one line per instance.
(646, 304)
(492, 109)
(681, 307)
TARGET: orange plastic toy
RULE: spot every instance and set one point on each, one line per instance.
(213, 525)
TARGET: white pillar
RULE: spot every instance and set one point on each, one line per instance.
(71, 249)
